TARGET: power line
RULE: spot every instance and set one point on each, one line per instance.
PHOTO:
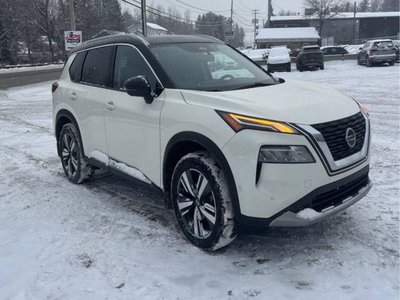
(172, 17)
(201, 9)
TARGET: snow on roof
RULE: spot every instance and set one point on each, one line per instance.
(343, 15)
(155, 26)
(288, 33)
(149, 25)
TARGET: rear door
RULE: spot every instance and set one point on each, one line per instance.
(90, 74)
(132, 126)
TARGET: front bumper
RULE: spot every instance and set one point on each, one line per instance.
(269, 190)
(309, 216)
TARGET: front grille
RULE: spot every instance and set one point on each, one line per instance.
(335, 197)
(334, 134)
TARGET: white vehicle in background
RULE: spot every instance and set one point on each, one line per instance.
(256, 55)
(279, 59)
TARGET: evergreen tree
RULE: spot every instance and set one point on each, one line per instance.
(364, 6)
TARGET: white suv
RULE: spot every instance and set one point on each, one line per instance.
(238, 148)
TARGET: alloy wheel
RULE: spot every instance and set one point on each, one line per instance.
(196, 203)
(69, 155)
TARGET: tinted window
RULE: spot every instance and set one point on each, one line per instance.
(96, 69)
(75, 70)
(129, 63)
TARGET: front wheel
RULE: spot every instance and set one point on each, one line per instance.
(201, 202)
(71, 153)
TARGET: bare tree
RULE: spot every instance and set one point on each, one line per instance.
(324, 10)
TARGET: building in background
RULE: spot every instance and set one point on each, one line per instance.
(152, 29)
(347, 28)
(292, 37)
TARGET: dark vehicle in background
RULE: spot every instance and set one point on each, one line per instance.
(310, 57)
(377, 52)
(334, 50)
(396, 48)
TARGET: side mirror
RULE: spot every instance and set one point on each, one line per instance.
(360, 48)
(139, 86)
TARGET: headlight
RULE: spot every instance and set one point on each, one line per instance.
(240, 122)
(285, 154)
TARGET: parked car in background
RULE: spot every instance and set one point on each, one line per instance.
(294, 52)
(279, 59)
(334, 50)
(396, 48)
(310, 57)
(377, 52)
(257, 55)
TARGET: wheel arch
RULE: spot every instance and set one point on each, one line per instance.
(188, 142)
(64, 117)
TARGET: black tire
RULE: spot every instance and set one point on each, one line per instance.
(322, 67)
(392, 63)
(368, 62)
(359, 60)
(71, 154)
(270, 69)
(201, 202)
(299, 68)
(289, 68)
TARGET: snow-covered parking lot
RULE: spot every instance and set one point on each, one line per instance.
(109, 239)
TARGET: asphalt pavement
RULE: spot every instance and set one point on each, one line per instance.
(13, 79)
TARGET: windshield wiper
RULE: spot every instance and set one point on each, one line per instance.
(253, 85)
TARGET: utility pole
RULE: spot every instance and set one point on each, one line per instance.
(269, 13)
(354, 21)
(255, 21)
(72, 24)
(144, 21)
(231, 15)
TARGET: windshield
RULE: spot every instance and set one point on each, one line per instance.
(208, 67)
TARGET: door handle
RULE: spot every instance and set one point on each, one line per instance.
(73, 96)
(110, 105)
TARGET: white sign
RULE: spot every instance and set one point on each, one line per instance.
(72, 39)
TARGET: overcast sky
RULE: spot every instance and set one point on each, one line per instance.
(242, 9)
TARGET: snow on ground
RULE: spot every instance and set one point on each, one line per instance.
(109, 239)
(30, 68)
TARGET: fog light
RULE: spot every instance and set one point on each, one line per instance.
(285, 155)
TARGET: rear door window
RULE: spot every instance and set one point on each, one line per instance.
(75, 71)
(96, 69)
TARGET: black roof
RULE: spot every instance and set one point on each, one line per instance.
(148, 40)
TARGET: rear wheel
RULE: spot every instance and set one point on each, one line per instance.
(368, 62)
(359, 61)
(289, 67)
(72, 157)
(201, 202)
(392, 63)
(322, 67)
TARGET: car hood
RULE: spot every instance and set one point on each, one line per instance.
(292, 101)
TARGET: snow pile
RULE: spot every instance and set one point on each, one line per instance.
(30, 68)
(107, 161)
